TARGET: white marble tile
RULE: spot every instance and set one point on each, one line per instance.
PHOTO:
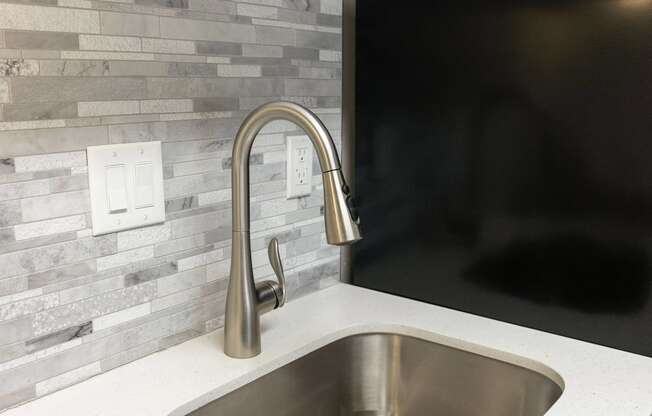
(50, 161)
(166, 106)
(47, 227)
(109, 43)
(168, 46)
(257, 11)
(180, 281)
(27, 17)
(107, 108)
(239, 70)
(125, 257)
(143, 236)
(122, 316)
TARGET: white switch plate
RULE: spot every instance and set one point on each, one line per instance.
(144, 205)
(299, 166)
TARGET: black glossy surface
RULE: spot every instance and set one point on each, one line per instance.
(504, 161)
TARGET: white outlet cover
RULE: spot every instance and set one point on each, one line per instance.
(128, 158)
(299, 166)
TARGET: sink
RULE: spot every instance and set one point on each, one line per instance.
(391, 375)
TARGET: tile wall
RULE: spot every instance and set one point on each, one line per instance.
(77, 73)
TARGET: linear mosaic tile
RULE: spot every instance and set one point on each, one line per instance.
(78, 73)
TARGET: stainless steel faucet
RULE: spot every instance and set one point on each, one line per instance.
(247, 300)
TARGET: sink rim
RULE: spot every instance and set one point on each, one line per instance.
(285, 358)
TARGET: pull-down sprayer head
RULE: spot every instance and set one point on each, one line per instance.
(341, 217)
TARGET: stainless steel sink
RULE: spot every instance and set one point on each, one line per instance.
(391, 375)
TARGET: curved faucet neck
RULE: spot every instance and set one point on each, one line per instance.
(280, 110)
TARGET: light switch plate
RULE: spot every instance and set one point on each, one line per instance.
(299, 166)
(139, 166)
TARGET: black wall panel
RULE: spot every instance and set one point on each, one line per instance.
(504, 161)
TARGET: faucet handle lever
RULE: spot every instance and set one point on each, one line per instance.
(275, 260)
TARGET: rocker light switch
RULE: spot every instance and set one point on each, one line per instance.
(126, 186)
(116, 188)
(144, 185)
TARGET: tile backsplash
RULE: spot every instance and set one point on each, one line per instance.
(78, 73)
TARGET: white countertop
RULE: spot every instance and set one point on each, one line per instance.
(598, 381)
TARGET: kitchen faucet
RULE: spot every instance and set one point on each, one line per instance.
(247, 300)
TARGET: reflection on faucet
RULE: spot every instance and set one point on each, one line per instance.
(246, 300)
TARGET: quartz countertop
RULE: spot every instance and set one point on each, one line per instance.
(597, 381)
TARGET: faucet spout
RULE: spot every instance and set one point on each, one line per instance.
(246, 300)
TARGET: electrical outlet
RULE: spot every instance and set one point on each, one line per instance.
(299, 166)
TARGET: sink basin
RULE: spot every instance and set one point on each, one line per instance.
(391, 375)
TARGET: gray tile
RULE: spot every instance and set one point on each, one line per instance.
(61, 274)
(28, 306)
(10, 213)
(59, 337)
(30, 90)
(69, 183)
(297, 16)
(130, 355)
(309, 87)
(213, 6)
(7, 166)
(195, 184)
(126, 133)
(133, 68)
(4, 91)
(219, 48)
(129, 24)
(42, 40)
(39, 111)
(18, 396)
(25, 189)
(70, 68)
(180, 204)
(300, 53)
(319, 40)
(207, 87)
(179, 4)
(143, 276)
(262, 51)
(329, 102)
(253, 60)
(12, 351)
(180, 337)
(42, 258)
(55, 205)
(267, 35)
(199, 223)
(13, 285)
(18, 67)
(65, 316)
(204, 129)
(191, 69)
(185, 149)
(219, 234)
(6, 235)
(54, 19)
(254, 159)
(205, 30)
(215, 104)
(37, 242)
(329, 20)
(280, 71)
(16, 330)
(303, 5)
